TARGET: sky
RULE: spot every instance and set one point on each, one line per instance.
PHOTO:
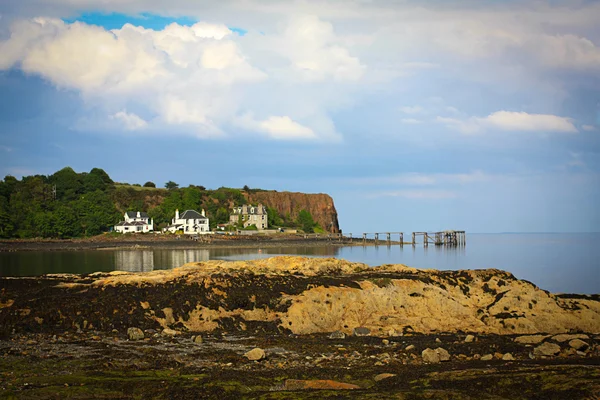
(481, 116)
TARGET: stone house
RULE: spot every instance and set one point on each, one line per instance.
(250, 215)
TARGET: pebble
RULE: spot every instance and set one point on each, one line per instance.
(361, 331)
(381, 377)
(437, 340)
(508, 357)
(410, 347)
(337, 335)
(197, 339)
(487, 357)
(170, 332)
(385, 342)
(469, 338)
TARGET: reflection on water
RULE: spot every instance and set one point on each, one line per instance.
(555, 262)
(145, 260)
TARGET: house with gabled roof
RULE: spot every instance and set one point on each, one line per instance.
(189, 222)
(250, 215)
(135, 222)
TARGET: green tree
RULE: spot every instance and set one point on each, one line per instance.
(149, 184)
(68, 183)
(171, 185)
(273, 217)
(305, 221)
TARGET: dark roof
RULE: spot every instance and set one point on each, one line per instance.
(191, 214)
(134, 223)
(133, 214)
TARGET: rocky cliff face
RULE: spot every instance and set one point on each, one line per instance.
(294, 294)
(320, 206)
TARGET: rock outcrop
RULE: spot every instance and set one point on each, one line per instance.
(293, 294)
(319, 205)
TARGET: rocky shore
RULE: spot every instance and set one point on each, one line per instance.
(154, 241)
(293, 327)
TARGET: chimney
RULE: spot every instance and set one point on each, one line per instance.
(203, 214)
(176, 215)
(138, 214)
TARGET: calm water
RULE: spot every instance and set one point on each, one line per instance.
(555, 262)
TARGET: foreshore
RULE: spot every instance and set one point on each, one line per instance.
(296, 327)
(178, 242)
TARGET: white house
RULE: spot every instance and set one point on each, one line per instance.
(135, 222)
(189, 222)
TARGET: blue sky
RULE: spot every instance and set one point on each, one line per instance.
(414, 116)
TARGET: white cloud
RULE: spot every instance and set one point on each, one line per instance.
(511, 121)
(410, 121)
(277, 127)
(411, 110)
(131, 121)
(522, 121)
(588, 128)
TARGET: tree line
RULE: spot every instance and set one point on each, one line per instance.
(68, 204)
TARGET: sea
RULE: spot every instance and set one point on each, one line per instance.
(557, 262)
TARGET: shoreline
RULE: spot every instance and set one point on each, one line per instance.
(170, 243)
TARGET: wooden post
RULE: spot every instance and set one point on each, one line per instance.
(425, 239)
(350, 235)
(413, 239)
(376, 238)
(401, 238)
(389, 237)
(364, 238)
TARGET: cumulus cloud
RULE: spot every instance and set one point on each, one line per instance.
(511, 121)
(196, 77)
(130, 121)
(277, 127)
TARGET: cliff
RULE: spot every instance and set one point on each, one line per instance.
(294, 294)
(320, 206)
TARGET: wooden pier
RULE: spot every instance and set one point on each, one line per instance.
(443, 238)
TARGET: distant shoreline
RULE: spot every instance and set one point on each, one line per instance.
(172, 243)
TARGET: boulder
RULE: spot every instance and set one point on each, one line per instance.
(135, 334)
(546, 349)
(362, 331)
(410, 347)
(170, 332)
(381, 377)
(565, 337)
(298, 384)
(508, 357)
(443, 353)
(531, 339)
(487, 357)
(430, 356)
(469, 338)
(255, 354)
(578, 344)
(337, 335)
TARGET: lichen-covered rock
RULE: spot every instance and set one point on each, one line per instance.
(361, 331)
(337, 335)
(300, 295)
(508, 357)
(317, 384)
(383, 376)
(469, 338)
